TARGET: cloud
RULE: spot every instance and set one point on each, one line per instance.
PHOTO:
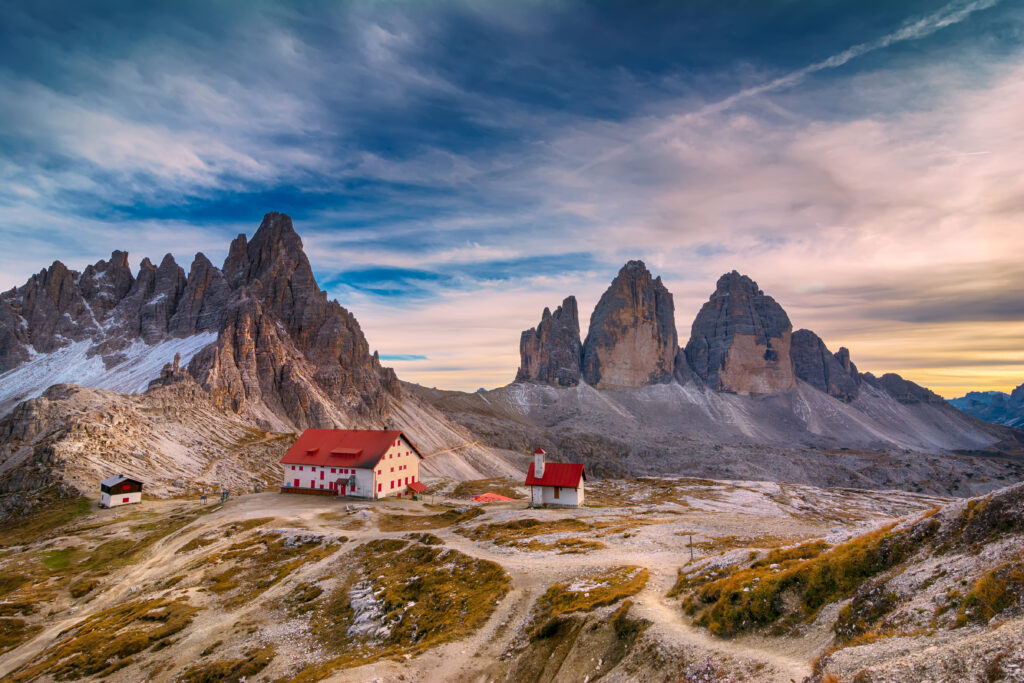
(455, 168)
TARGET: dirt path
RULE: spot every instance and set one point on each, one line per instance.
(659, 547)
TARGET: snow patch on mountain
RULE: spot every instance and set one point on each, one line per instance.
(140, 364)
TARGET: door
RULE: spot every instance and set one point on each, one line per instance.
(296, 483)
(321, 476)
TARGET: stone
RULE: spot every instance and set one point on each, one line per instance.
(815, 364)
(740, 340)
(203, 302)
(903, 390)
(632, 339)
(550, 353)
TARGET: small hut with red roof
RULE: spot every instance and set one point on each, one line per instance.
(555, 484)
(362, 463)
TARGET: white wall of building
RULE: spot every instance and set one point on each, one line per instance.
(399, 467)
(115, 499)
(545, 495)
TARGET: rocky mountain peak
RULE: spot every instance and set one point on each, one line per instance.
(632, 338)
(106, 282)
(816, 365)
(740, 340)
(283, 352)
(550, 353)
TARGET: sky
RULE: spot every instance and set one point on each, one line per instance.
(455, 167)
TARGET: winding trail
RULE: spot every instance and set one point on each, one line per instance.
(477, 657)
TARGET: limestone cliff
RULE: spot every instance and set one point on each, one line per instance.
(283, 352)
(816, 365)
(550, 353)
(632, 339)
(740, 340)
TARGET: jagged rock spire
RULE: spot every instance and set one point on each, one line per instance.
(550, 353)
(632, 339)
(740, 340)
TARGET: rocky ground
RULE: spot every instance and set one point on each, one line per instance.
(286, 587)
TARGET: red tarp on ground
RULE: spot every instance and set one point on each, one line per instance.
(491, 498)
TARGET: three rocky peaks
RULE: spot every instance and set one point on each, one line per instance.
(741, 341)
(283, 354)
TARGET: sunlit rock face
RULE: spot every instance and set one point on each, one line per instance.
(259, 335)
(632, 339)
(740, 340)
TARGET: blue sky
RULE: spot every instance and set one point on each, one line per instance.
(454, 167)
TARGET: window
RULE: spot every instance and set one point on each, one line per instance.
(321, 476)
(407, 481)
(380, 471)
(321, 485)
(413, 477)
(293, 467)
(392, 483)
(556, 493)
(300, 468)
(392, 469)
(332, 470)
(296, 483)
(380, 487)
(124, 500)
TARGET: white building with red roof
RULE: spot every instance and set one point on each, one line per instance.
(361, 463)
(555, 483)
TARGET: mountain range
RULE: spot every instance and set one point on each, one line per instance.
(994, 406)
(200, 379)
(745, 397)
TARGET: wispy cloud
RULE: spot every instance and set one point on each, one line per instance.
(454, 168)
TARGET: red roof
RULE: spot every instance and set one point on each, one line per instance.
(356, 448)
(417, 487)
(490, 497)
(557, 474)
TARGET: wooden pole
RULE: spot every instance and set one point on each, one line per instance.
(691, 548)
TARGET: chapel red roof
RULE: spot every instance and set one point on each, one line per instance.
(557, 474)
(356, 448)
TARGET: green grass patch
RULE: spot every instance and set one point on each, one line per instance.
(588, 592)
(794, 591)
(230, 670)
(509, 533)
(53, 513)
(248, 568)
(424, 595)
(14, 632)
(995, 591)
(390, 522)
(83, 587)
(108, 640)
(56, 560)
(12, 581)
